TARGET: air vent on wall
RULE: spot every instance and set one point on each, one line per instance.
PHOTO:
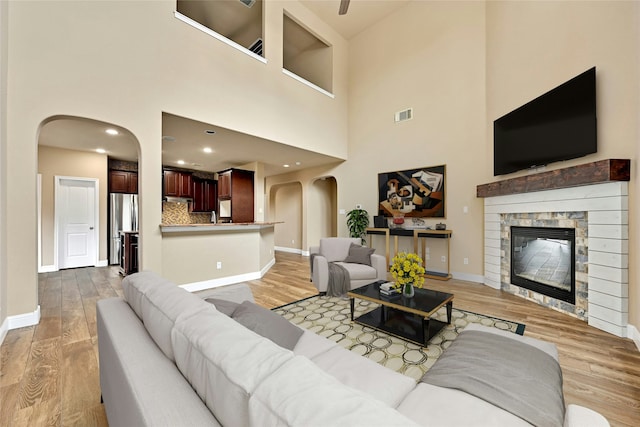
(403, 115)
(248, 3)
(256, 47)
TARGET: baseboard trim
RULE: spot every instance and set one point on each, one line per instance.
(4, 328)
(289, 250)
(634, 335)
(476, 278)
(102, 263)
(19, 321)
(230, 280)
(47, 269)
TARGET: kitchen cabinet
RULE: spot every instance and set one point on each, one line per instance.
(123, 182)
(224, 184)
(128, 252)
(235, 195)
(205, 195)
(177, 184)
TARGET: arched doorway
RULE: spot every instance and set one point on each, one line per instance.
(77, 149)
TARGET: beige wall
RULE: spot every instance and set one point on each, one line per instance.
(3, 156)
(459, 65)
(534, 46)
(128, 74)
(54, 162)
(287, 208)
(429, 56)
(240, 253)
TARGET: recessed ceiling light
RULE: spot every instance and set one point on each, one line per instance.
(101, 150)
(209, 131)
(207, 150)
(285, 166)
(298, 163)
(180, 162)
(111, 131)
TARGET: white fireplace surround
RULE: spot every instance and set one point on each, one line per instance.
(608, 242)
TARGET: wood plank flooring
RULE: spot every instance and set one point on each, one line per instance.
(49, 372)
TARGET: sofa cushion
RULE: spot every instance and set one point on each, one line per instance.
(159, 303)
(140, 385)
(430, 399)
(336, 248)
(224, 362)
(223, 306)
(359, 254)
(301, 394)
(365, 375)
(268, 324)
(359, 271)
(311, 344)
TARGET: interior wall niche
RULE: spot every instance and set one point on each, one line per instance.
(238, 20)
(306, 55)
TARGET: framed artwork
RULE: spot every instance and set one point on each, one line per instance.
(415, 193)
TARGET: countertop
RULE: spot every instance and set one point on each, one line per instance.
(219, 227)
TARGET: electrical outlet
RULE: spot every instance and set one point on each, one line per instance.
(443, 258)
(426, 250)
(219, 265)
(466, 261)
(427, 257)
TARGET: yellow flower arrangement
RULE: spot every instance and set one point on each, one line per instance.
(407, 269)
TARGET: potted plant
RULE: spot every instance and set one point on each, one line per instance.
(408, 271)
(357, 222)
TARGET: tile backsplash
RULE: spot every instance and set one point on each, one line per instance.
(178, 213)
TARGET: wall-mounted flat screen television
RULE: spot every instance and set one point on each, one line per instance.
(559, 125)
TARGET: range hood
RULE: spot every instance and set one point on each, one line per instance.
(170, 199)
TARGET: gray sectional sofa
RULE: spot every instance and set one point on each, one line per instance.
(170, 358)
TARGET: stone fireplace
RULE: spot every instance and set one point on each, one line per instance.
(591, 199)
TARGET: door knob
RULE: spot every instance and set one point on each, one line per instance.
(90, 228)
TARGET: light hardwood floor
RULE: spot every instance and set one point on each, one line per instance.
(49, 372)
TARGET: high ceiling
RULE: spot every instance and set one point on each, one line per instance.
(361, 14)
(184, 139)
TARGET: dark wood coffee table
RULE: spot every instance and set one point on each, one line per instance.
(408, 318)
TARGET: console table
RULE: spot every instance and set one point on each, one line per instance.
(417, 234)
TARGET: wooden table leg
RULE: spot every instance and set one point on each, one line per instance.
(352, 304)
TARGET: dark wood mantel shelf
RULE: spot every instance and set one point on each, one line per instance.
(587, 174)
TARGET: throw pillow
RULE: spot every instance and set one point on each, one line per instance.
(268, 324)
(223, 306)
(359, 254)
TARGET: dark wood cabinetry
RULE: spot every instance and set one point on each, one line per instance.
(123, 182)
(224, 184)
(235, 195)
(205, 195)
(178, 184)
(128, 252)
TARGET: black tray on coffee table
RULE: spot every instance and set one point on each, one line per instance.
(408, 318)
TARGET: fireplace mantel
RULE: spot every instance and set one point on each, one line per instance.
(586, 174)
(599, 193)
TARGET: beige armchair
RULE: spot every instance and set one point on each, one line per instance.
(362, 267)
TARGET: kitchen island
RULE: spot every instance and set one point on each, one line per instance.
(203, 256)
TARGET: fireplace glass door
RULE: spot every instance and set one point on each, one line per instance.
(543, 260)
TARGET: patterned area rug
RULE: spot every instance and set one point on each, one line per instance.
(330, 317)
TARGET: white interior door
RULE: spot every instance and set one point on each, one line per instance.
(76, 217)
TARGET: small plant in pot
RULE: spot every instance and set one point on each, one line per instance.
(357, 222)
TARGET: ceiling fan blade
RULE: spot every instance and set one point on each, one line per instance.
(344, 6)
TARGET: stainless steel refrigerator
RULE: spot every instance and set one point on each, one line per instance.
(123, 216)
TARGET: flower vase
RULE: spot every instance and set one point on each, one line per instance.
(408, 290)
